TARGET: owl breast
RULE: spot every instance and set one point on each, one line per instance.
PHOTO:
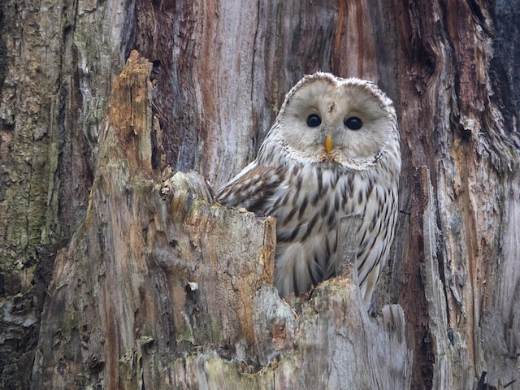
(308, 205)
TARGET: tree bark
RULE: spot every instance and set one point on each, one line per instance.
(155, 284)
(161, 285)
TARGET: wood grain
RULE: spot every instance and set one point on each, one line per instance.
(219, 72)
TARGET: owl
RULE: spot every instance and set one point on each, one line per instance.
(333, 151)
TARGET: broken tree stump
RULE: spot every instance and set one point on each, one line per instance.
(163, 288)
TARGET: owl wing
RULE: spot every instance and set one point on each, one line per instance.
(252, 188)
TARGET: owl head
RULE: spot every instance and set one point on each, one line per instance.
(327, 118)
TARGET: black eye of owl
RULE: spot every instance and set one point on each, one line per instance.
(353, 123)
(313, 120)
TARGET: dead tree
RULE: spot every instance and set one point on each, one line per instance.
(147, 282)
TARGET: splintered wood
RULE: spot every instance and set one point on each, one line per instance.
(163, 287)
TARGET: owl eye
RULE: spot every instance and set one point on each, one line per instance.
(353, 123)
(313, 120)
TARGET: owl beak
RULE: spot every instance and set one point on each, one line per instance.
(328, 143)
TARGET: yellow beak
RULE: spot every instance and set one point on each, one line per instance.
(328, 143)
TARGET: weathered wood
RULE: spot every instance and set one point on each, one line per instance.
(55, 75)
(155, 272)
(221, 70)
(452, 124)
(158, 273)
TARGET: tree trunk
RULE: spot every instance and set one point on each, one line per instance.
(119, 272)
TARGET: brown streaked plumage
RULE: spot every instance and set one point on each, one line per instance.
(332, 151)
